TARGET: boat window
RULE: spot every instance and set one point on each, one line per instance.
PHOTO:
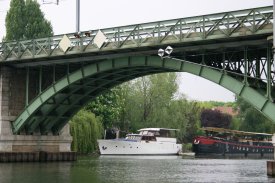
(143, 132)
(164, 133)
(133, 137)
(148, 138)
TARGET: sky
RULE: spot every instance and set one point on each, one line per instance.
(110, 13)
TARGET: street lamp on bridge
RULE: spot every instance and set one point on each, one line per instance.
(168, 50)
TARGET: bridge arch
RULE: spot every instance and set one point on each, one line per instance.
(52, 109)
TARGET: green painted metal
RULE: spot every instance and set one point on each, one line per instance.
(268, 83)
(54, 73)
(220, 26)
(27, 86)
(40, 78)
(53, 108)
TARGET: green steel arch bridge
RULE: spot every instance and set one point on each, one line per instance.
(48, 80)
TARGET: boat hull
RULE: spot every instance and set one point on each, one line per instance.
(208, 146)
(124, 147)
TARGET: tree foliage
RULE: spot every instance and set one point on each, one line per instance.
(214, 118)
(15, 20)
(85, 129)
(185, 116)
(213, 104)
(36, 25)
(25, 20)
(146, 101)
(253, 120)
(107, 106)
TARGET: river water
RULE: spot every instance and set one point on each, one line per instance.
(137, 169)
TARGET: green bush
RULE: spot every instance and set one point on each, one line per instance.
(187, 147)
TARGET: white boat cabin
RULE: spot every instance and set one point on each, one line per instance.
(154, 134)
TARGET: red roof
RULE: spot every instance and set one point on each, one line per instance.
(227, 110)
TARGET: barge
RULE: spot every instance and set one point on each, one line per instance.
(226, 142)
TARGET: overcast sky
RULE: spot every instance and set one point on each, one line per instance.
(109, 13)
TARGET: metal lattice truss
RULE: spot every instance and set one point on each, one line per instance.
(243, 63)
(256, 69)
(226, 25)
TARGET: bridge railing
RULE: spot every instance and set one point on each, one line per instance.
(198, 28)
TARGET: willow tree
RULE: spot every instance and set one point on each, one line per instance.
(85, 128)
(25, 20)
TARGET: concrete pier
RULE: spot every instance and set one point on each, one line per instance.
(34, 148)
(24, 146)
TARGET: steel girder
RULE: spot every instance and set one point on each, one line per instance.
(221, 26)
(53, 108)
(252, 65)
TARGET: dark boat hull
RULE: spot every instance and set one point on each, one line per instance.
(208, 146)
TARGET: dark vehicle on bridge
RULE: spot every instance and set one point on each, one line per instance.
(233, 143)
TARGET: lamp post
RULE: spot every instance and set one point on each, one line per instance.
(168, 50)
(77, 15)
(77, 22)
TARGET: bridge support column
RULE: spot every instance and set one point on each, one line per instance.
(12, 101)
(6, 136)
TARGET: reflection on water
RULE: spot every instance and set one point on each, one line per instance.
(137, 169)
(34, 172)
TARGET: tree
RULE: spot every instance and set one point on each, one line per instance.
(15, 20)
(185, 116)
(193, 123)
(25, 20)
(85, 129)
(107, 107)
(163, 88)
(214, 118)
(253, 120)
(36, 25)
